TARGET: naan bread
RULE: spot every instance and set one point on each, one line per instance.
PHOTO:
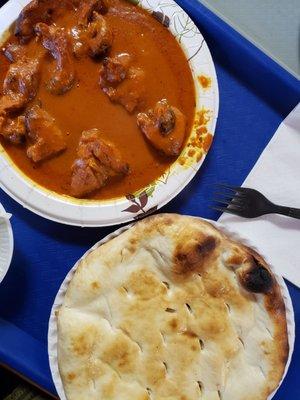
(172, 309)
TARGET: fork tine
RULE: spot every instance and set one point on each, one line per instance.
(230, 203)
(226, 210)
(222, 209)
(229, 187)
(228, 196)
(235, 189)
(236, 201)
(225, 202)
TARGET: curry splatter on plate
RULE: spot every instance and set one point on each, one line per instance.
(140, 197)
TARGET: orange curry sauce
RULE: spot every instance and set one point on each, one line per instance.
(85, 106)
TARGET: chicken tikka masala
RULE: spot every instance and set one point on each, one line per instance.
(97, 97)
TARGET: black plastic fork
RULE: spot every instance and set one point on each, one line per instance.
(248, 203)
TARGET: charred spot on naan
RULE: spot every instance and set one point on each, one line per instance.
(257, 278)
(192, 256)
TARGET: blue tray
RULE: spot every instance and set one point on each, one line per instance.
(256, 94)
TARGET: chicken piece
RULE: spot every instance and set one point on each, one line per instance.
(87, 8)
(164, 126)
(97, 161)
(122, 83)
(19, 88)
(86, 177)
(95, 39)
(14, 52)
(23, 78)
(99, 36)
(36, 11)
(11, 103)
(20, 85)
(13, 130)
(39, 11)
(56, 41)
(114, 70)
(47, 138)
(130, 93)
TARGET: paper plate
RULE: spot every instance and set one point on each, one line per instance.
(134, 205)
(52, 331)
(6, 243)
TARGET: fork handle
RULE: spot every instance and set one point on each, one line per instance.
(288, 211)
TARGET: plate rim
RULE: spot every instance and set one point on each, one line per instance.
(10, 243)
